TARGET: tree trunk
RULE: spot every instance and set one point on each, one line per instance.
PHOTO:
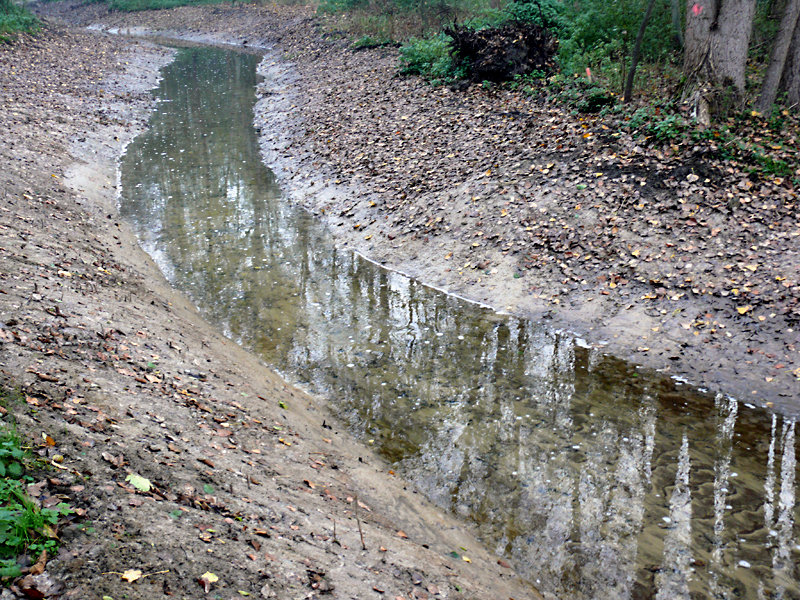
(780, 51)
(791, 71)
(677, 27)
(637, 50)
(717, 38)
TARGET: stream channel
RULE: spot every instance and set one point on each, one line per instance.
(597, 479)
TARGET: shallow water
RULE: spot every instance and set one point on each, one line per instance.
(598, 480)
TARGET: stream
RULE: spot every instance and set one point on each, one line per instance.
(597, 479)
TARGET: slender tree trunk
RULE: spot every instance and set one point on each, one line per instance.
(717, 39)
(637, 50)
(791, 71)
(780, 51)
(677, 26)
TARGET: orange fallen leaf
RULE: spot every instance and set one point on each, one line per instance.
(402, 535)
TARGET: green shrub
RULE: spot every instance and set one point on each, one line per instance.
(428, 57)
(138, 5)
(16, 19)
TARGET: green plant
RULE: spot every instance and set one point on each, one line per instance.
(11, 454)
(367, 41)
(14, 19)
(24, 527)
(667, 129)
(428, 57)
(138, 5)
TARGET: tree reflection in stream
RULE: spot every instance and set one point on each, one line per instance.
(598, 480)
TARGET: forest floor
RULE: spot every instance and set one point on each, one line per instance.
(677, 262)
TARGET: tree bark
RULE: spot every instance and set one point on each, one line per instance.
(677, 27)
(637, 50)
(791, 71)
(780, 51)
(717, 38)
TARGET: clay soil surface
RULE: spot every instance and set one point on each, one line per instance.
(677, 263)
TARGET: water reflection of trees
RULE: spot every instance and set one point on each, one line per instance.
(599, 481)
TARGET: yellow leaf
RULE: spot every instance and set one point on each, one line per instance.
(465, 559)
(140, 483)
(751, 267)
(636, 252)
(743, 309)
(242, 593)
(755, 113)
(448, 256)
(132, 575)
(207, 579)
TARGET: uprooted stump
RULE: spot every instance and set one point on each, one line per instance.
(500, 53)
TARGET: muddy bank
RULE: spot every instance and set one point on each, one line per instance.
(126, 378)
(659, 254)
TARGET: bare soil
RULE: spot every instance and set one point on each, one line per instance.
(483, 192)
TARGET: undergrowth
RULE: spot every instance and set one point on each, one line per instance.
(15, 19)
(139, 5)
(25, 528)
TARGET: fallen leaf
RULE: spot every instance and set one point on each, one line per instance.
(140, 483)
(402, 535)
(743, 309)
(132, 575)
(206, 579)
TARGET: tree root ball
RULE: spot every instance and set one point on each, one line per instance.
(501, 53)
